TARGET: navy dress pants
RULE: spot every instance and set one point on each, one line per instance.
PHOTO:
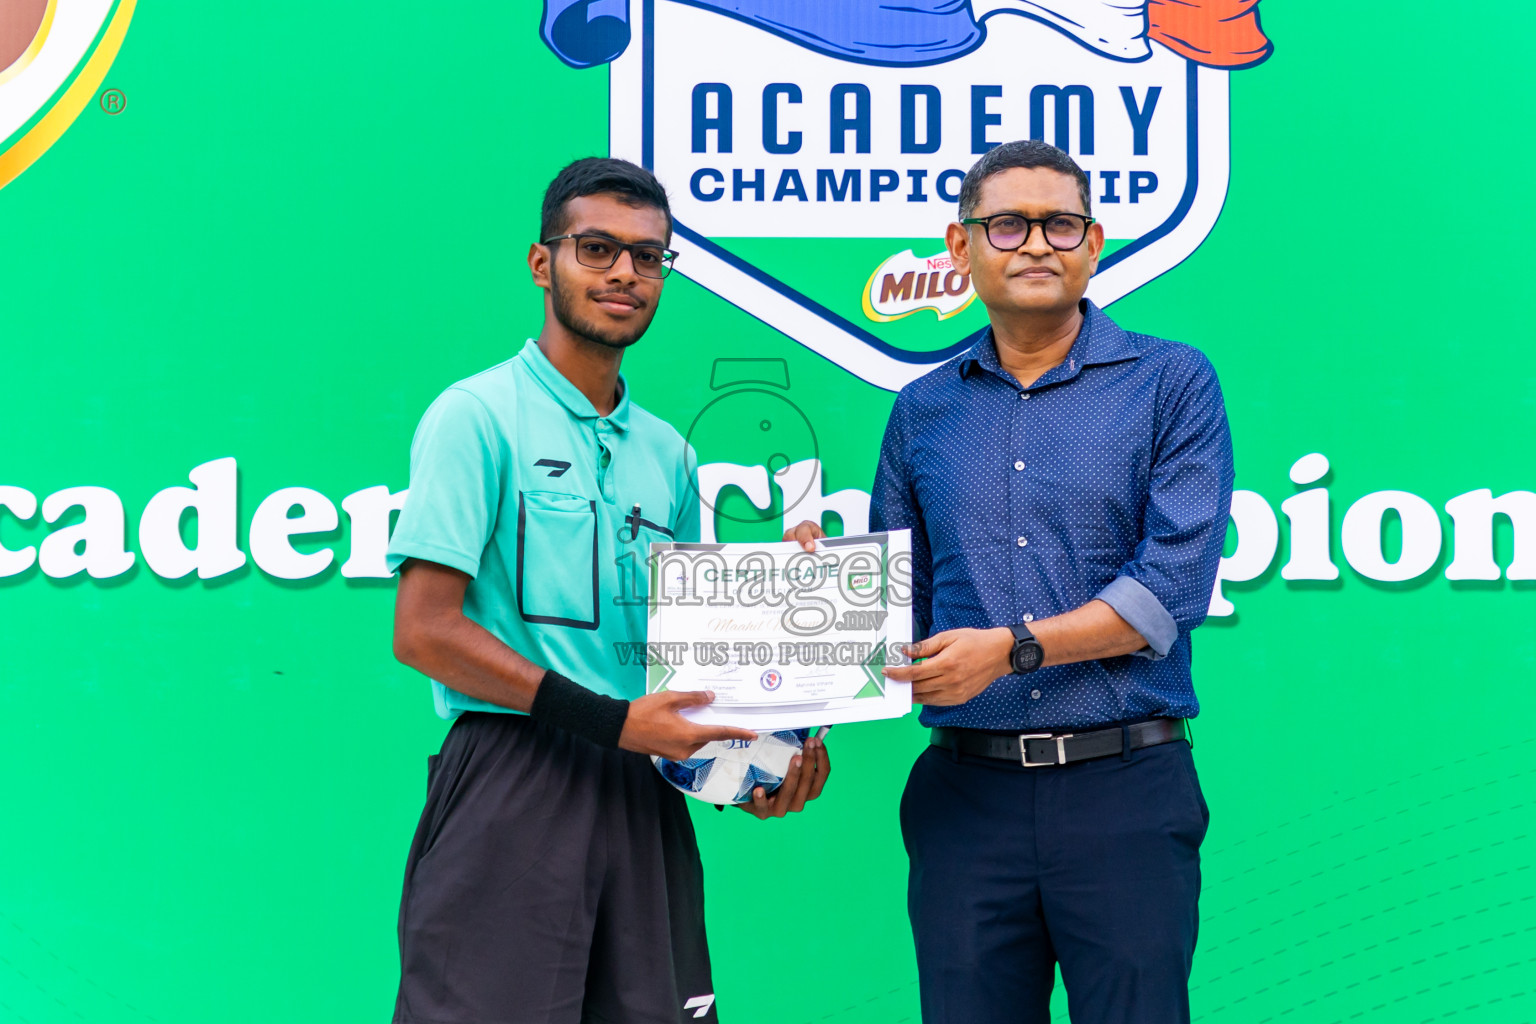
(1093, 865)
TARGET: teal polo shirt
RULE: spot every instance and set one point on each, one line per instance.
(550, 509)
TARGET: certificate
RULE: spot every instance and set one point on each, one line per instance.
(786, 638)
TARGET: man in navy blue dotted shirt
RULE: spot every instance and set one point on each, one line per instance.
(1067, 485)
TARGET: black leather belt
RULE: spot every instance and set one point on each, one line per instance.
(1047, 749)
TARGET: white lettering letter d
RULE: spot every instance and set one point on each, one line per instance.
(213, 499)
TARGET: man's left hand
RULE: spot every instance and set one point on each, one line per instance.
(804, 781)
(960, 664)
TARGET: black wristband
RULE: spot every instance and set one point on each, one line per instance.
(570, 706)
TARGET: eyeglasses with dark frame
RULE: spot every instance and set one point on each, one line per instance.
(601, 252)
(1063, 231)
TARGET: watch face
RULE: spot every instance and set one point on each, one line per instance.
(1027, 656)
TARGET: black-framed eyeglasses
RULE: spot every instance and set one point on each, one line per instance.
(601, 252)
(1063, 231)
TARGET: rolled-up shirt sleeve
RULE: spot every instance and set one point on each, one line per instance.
(1166, 589)
(893, 506)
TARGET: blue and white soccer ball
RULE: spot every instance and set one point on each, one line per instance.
(727, 771)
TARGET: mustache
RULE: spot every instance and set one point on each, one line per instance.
(628, 298)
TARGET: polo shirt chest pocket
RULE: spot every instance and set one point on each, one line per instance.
(638, 529)
(557, 580)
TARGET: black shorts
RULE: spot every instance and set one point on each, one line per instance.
(550, 881)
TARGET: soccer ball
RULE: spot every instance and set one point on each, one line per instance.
(727, 771)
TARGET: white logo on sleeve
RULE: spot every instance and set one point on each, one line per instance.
(703, 1003)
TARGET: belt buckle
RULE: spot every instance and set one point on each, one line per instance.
(1061, 749)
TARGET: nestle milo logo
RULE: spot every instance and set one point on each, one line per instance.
(906, 283)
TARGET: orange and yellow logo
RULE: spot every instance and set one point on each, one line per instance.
(54, 55)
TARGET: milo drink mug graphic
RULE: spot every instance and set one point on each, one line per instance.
(746, 435)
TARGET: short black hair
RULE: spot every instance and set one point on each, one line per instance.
(600, 175)
(1023, 153)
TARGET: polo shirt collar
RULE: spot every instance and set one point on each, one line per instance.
(568, 394)
(1099, 341)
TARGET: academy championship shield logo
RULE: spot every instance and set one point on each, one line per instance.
(53, 57)
(814, 149)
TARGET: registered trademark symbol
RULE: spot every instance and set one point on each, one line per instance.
(113, 101)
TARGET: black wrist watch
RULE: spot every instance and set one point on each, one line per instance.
(1027, 652)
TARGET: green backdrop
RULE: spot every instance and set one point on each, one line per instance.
(304, 225)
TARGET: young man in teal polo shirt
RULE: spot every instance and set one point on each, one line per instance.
(554, 875)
